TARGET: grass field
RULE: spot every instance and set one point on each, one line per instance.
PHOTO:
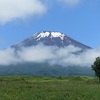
(45, 88)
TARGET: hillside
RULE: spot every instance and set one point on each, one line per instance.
(44, 69)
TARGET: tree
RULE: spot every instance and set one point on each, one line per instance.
(96, 67)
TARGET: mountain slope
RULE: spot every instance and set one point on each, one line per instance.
(46, 67)
(49, 38)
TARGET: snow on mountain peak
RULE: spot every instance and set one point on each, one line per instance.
(43, 34)
(57, 34)
(48, 33)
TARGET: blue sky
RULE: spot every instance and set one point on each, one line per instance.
(79, 19)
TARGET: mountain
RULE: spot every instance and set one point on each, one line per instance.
(49, 38)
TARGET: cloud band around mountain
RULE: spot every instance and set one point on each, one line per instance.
(53, 55)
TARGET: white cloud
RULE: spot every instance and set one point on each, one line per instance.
(14, 9)
(53, 55)
(7, 56)
(71, 2)
(37, 53)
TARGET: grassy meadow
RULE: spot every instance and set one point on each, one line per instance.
(49, 88)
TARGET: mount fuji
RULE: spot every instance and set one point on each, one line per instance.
(49, 38)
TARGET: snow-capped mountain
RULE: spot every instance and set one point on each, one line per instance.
(29, 63)
(49, 38)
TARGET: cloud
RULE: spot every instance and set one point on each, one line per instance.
(66, 56)
(20, 9)
(36, 54)
(7, 56)
(71, 2)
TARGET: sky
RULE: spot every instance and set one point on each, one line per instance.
(20, 19)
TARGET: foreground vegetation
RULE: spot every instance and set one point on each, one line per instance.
(47, 88)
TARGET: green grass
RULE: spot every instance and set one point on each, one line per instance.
(48, 88)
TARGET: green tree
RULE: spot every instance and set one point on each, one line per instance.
(96, 67)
